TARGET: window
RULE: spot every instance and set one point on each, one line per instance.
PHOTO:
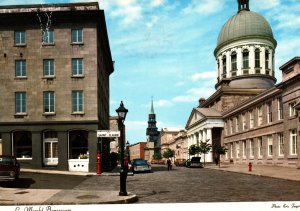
(280, 144)
(22, 144)
(269, 109)
(244, 149)
(260, 115)
(77, 67)
(251, 148)
(260, 146)
(20, 37)
(48, 67)
(257, 58)
(245, 59)
(237, 124)
(231, 150)
(237, 148)
(20, 68)
(20, 102)
(293, 142)
(244, 121)
(78, 143)
(270, 145)
(280, 108)
(292, 109)
(77, 101)
(233, 62)
(48, 37)
(267, 59)
(224, 66)
(251, 114)
(77, 36)
(49, 101)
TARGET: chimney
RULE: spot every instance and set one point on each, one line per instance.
(201, 101)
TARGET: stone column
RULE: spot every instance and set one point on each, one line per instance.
(209, 156)
(239, 59)
(263, 60)
(251, 60)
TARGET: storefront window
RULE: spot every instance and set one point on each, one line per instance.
(78, 144)
(22, 144)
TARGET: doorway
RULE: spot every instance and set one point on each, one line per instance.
(50, 146)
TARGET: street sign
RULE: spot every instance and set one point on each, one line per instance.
(107, 134)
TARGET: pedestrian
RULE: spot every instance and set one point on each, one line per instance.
(169, 164)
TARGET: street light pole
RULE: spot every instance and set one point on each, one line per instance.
(122, 112)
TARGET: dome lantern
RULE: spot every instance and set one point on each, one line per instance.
(243, 5)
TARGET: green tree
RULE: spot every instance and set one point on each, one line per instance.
(219, 150)
(205, 148)
(157, 156)
(194, 149)
(168, 153)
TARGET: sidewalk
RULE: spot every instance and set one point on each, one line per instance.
(260, 170)
(20, 196)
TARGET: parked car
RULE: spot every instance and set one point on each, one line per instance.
(180, 162)
(9, 168)
(141, 165)
(194, 163)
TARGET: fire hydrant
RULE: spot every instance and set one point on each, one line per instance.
(250, 167)
(98, 162)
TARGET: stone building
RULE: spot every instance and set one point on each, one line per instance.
(54, 84)
(254, 118)
(114, 126)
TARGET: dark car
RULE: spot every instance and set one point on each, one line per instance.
(140, 165)
(194, 163)
(9, 168)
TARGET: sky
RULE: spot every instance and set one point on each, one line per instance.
(164, 49)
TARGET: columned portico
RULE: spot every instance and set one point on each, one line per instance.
(201, 126)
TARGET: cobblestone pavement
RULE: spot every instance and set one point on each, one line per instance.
(185, 185)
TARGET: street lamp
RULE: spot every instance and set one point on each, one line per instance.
(122, 112)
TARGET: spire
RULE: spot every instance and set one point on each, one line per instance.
(243, 5)
(152, 108)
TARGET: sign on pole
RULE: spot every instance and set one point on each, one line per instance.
(107, 134)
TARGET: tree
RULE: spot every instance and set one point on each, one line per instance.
(194, 149)
(220, 150)
(157, 156)
(168, 153)
(205, 148)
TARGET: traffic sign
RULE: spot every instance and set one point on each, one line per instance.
(107, 134)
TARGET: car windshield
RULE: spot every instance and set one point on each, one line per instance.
(140, 162)
(6, 161)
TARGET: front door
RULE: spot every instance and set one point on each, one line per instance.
(51, 152)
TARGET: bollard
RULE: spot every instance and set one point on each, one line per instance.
(250, 167)
(98, 163)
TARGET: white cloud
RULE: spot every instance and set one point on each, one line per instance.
(194, 94)
(152, 22)
(156, 3)
(204, 75)
(287, 20)
(265, 4)
(204, 6)
(163, 103)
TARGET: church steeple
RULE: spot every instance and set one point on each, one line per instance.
(152, 108)
(243, 5)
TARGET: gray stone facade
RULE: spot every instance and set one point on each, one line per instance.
(97, 64)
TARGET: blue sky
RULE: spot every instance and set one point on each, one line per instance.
(164, 49)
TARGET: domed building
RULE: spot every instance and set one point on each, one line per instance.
(245, 51)
(254, 118)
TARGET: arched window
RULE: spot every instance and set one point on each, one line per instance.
(224, 66)
(245, 59)
(257, 58)
(267, 59)
(22, 144)
(233, 61)
(78, 143)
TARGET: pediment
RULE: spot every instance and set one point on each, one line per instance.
(195, 116)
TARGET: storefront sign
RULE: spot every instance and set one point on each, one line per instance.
(107, 133)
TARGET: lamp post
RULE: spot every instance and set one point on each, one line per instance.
(122, 112)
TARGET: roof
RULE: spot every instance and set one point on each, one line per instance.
(287, 64)
(209, 112)
(245, 24)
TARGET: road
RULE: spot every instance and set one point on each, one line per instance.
(179, 185)
(199, 185)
